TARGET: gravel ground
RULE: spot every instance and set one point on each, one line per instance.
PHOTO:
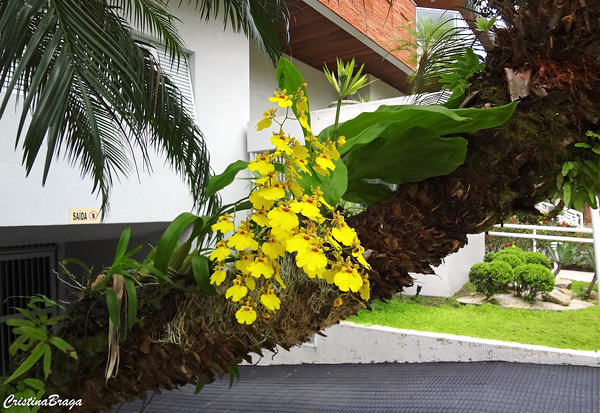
(510, 301)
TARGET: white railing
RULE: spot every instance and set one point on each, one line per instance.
(534, 236)
(569, 216)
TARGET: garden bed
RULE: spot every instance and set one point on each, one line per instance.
(511, 301)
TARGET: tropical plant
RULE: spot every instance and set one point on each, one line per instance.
(442, 52)
(564, 253)
(93, 92)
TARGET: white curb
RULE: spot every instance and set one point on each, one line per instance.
(355, 343)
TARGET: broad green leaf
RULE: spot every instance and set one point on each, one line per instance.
(63, 346)
(199, 386)
(390, 121)
(88, 272)
(411, 156)
(19, 322)
(113, 306)
(132, 303)
(35, 383)
(234, 372)
(582, 145)
(218, 182)
(123, 243)
(47, 360)
(161, 275)
(18, 344)
(28, 314)
(170, 238)
(567, 194)
(41, 298)
(201, 269)
(35, 355)
(34, 333)
(333, 186)
(360, 191)
(290, 79)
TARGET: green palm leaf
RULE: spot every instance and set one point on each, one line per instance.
(93, 93)
(260, 20)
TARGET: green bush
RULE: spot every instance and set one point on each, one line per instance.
(513, 259)
(512, 250)
(532, 279)
(490, 277)
(537, 258)
(489, 257)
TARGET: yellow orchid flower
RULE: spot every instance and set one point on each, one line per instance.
(282, 99)
(242, 239)
(243, 261)
(223, 224)
(323, 160)
(281, 142)
(299, 151)
(273, 192)
(365, 290)
(302, 103)
(262, 164)
(303, 119)
(283, 217)
(309, 207)
(258, 202)
(249, 281)
(312, 260)
(245, 314)
(348, 279)
(273, 248)
(261, 267)
(260, 217)
(270, 300)
(237, 291)
(221, 252)
(218, 277)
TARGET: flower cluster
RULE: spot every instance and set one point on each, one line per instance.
(287, 219)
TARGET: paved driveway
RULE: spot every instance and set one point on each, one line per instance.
(481, 387)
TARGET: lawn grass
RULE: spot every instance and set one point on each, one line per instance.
(575, 329)
(578, 286)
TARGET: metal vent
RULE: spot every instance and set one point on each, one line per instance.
(24, 272)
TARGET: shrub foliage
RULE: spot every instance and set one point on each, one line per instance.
(491, 277)
(532, 279)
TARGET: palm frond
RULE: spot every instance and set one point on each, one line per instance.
(260, 20)
(153, 17)
(434, 47)
(93, 93)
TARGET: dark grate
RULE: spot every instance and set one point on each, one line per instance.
(24, 272)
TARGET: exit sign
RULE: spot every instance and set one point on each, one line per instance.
(84, 216)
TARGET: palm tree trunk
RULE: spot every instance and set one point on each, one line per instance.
(507, 168)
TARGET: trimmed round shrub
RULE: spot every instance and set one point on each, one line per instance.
(490, 277)
(537, 258)
(512, 250)
(489, 257)
(532, 279)
(513, 259)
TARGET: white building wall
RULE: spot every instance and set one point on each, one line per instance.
(454, 271)
(220, 74)
(263, 82)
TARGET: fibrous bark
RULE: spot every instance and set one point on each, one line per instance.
(508, 168)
